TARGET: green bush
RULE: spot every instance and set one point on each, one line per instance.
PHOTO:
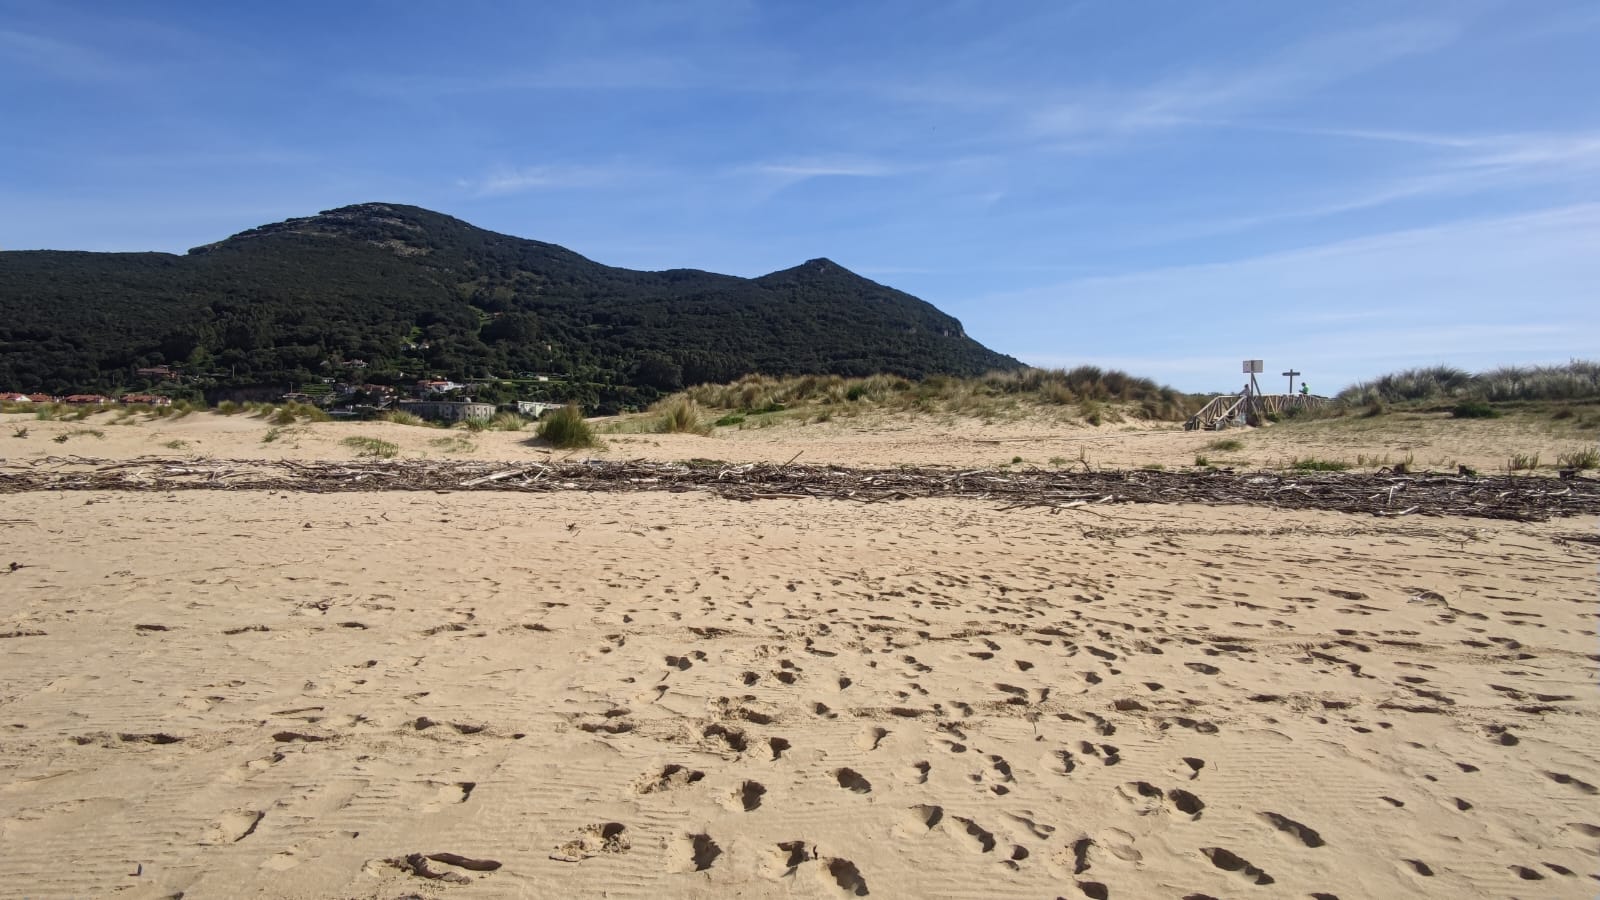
(1226, 444)
(1319, 465)
(729, 420)
(566, 428)
(1474, 409)
(1588, 458)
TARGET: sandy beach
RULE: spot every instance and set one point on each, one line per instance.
(387, 694)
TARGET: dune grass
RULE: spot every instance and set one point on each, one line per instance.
(566, 429)
(372, 447)
(1092, 395)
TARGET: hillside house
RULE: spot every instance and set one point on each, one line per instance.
(86, 399)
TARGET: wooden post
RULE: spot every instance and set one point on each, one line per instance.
(1291, 373)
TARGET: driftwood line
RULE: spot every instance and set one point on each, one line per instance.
(1521, 498)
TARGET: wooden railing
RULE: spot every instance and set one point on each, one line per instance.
(1247, 409)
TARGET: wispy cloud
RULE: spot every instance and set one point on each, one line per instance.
(1195, 97)
(827, 168)
(59, 59)
(519, 179)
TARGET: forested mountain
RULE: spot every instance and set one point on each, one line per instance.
(411, 293)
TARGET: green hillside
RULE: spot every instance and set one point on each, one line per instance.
(413, 293)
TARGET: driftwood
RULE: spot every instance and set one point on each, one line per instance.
(1521, 498)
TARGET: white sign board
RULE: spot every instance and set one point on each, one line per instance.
(1253, 366)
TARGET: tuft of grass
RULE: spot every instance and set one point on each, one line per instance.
(229, 408)
(1312, 464)
(1059, 461)
(19, 431)
(507, 421)
(292, 413)
(1522, 462)
(455, 443)
(1153, 467)
(369, 446)
(401, 417)
(1226, 445)
(272, 435)
(175, 445)
(1015, 460)
(681, 416)
(1474, 409)
(79, 432)
(1201, 461)
(1588, 458)
(566, 428)
(732, 419)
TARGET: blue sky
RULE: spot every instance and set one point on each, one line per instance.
(1165, 187)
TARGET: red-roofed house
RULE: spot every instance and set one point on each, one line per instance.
(86, 399)
(15, 398)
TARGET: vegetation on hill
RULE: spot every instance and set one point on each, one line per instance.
(1086, 393)
(1577, 380)
(383, 293)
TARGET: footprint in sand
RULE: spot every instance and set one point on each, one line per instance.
(593, 840)
(870, 738)
(694, 853)
(234, 826)
(1228, 861)
(976, 838)
(923, 817)
(852, 781)
(747, 796)
(847, 877)
(1302, 833)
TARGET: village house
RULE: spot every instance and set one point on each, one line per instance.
(15, 398)
(86, 399)
(147, 399)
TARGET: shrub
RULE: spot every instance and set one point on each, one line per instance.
(1522, 462)
(1474, 409)
(19, 431)
(1201, 461)
(1226, 444)
(1588, 458)
(566, 428)
(682, 416)
(729, 420)
(1319, 465)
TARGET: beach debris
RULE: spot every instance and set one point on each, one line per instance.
(1382, 494)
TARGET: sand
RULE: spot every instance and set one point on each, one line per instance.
(389, 694)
